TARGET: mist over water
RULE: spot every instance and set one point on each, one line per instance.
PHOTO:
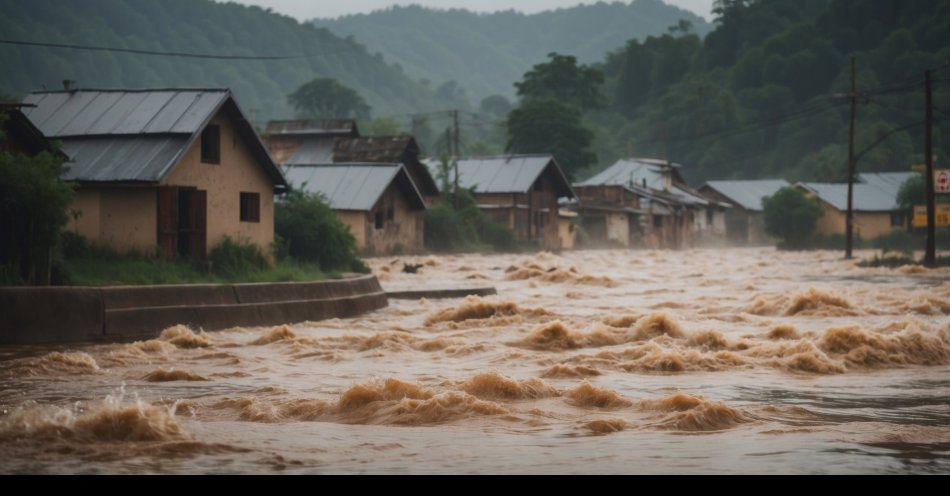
(702, 361)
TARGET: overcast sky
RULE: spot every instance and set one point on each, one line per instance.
(309, 9)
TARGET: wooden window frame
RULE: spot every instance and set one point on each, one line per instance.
(250, 207)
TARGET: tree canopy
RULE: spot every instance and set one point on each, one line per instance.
(326, 98)
(548, 126)
(563, 80)
(791, 216)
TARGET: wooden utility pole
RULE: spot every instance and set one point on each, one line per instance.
(455, 155)
(930, 255)
(849, 221)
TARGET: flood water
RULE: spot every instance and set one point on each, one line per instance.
(702, 361)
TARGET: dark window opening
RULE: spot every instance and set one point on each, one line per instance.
(211, 144)
(379, 220)
(250, 207)
(657, 221)
(709, 217)
(390, 214)
(539, 186)
(897, 219)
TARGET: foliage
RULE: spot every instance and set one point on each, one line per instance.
(137, 270)
(791, 216)
(231, 258)
(549, 126)
(458, 225)
(311, 232)
(33, 201)
(444, 45)
(382, 126)
(563, 80)
(326, 98)
(196, 26)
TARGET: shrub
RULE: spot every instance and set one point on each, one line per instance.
(232, 258)
(791, 216)
(311, 232)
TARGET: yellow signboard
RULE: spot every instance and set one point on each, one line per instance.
(941, 215)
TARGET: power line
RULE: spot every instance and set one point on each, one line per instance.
(136, 51)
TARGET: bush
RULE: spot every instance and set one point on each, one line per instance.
(232, 258)
(791, 216)
(466, 227)
(311, 232)
(899, 241)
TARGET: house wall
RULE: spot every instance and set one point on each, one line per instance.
(357, 224)
(403, 234)
(567, 233)
(86, 205)
(618, 228)
(867, 225)
(237, 172)
(120, 219)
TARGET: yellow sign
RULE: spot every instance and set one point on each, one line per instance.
(941, 215)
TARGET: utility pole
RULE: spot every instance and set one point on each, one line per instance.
(930, 256)
(849, 233)
(455, 156)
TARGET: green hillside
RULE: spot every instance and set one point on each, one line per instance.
(193, 26)
(486, 53)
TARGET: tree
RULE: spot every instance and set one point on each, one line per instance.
(325, 98)
(382, 126)
(33, 202)
(549, 126)
(563, 80)
(312, 232)
(791, 216)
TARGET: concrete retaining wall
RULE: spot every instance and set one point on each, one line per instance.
(42, 315)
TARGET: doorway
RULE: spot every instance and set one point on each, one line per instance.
(182, 222)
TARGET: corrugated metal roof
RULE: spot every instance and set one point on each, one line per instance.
(382, 149)
(127, 158)
(113, 112)
(886, 180)
(867, 197)
(748, 194)
(351, 186)
(629, 172)
(306, 127)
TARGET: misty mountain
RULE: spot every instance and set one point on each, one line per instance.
(486, 53)
(194, 26)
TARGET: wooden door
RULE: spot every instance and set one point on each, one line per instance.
(168, 222)
(198, 224)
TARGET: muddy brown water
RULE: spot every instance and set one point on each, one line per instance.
(702, 361)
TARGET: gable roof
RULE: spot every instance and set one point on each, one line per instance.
(137, 135)
(886, 180)
(309, 127)
(747, 194)
(387, 149)
(637, 174)
(510, 173)
(354, 186)
(867, 197)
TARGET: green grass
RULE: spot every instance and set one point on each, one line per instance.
(893, 261)
(140, 271)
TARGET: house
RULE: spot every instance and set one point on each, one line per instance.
(307, 141)
(645, 202)
(379, 202)
(567, 228)
(520, 192)
(744, 222)
(876, 211)
(19, 135)
(388, 149)
(171, 170)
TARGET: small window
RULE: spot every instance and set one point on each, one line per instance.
(390, 214)
(379, 220)
(657, 221)
(211, 144)
(709, 217)
(897, 219)
(250, 207)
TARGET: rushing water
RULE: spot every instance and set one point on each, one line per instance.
(706, 361)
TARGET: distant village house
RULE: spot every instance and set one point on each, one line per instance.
(172, 171)
(876, 211)
(745, 221)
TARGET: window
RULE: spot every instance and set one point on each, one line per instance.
(709, 217)
(211, 144)
(897, 219)
(657, 221)
(390, 214)
(250, 207)
(379, 220)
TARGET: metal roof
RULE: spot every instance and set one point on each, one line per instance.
(507, 174)
(867, 197)
(639, 173)
(374, 149)
(748, 194)
(125, 158)
(137, 135)
(311, 127)
(113, 112)
(353, 186)
(886, 180)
